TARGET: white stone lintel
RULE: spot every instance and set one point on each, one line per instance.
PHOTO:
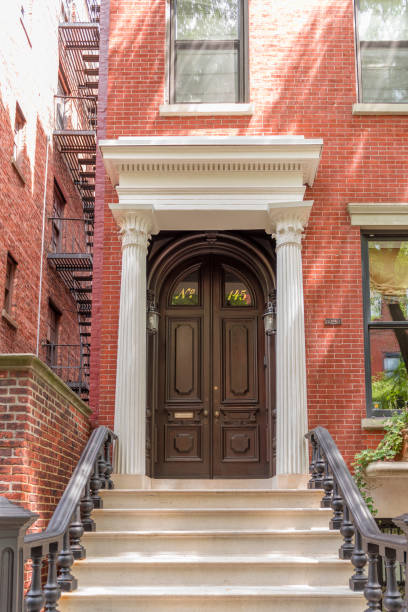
(379, 215)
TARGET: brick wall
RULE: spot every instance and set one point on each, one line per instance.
(29, 78)
(44, 429)
(302, 81)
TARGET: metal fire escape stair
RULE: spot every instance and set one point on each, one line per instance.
(75, 138)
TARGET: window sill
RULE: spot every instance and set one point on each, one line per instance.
(188, 110)
(373, 423)
(17, 168)
(5, 315)
(380, 109)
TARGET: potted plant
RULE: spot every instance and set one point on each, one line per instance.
(393, 447)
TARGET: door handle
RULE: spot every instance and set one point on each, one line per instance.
(216, 413)
(205, 413)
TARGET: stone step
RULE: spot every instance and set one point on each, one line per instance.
(217, 599)
(133, 569)
(249, 541)
(130, 519)
(135, 481)
(201, 498)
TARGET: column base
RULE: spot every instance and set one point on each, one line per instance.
(290, 481)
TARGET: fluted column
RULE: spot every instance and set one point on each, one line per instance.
(130, 401)
(291, 398)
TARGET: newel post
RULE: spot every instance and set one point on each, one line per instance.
(130, 400)
(14, 522)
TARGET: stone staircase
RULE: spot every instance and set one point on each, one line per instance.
(198, 546)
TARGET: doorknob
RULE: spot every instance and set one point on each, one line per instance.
(216, 414)
(205, 413)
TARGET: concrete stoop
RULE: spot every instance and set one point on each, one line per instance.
(225, 548)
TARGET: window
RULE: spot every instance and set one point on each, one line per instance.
(208, 51)
(57, 215)
(19, 136)
(11, 267)
(382, 31)
(386, 321)
(54, 316)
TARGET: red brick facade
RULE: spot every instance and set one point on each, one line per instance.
(302, 82)
(44, 429)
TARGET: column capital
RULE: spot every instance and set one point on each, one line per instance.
(135, 225)
(288, 221)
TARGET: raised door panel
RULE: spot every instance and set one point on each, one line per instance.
(239, 361)
(184, 358)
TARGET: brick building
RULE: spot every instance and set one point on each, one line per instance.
(288, 123)
(48, 89)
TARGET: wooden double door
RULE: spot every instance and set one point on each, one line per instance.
(211, 419)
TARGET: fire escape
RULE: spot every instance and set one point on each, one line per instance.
(75, 137)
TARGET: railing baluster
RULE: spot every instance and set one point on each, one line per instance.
(320, 467)
(358, 580)
(52, 591)
(101, 470)
(108, 463)
(337, 505)
(328, 487)
(347, 531)
(35, 597)
(87, 506)
(66, 581)
(392, 600)
(373, 591)
(95, 484)
(76, 531)
(312, 467)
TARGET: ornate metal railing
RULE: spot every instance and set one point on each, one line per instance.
(363, 541)
(60, 543)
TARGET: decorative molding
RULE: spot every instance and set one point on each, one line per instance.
(373, 215)
(380, 109)
(23, 361)
(212, 154)
(188, 110)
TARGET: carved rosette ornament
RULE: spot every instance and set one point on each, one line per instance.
(291, 422)
(130, 401)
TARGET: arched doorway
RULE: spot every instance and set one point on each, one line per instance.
(211, 366)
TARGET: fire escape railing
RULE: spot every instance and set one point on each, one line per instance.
(75, 124)
(363, 541)
(70, 253)
(60, 542)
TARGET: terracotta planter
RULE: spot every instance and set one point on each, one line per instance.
(403, 454)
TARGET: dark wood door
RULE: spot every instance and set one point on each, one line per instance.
(212, 418)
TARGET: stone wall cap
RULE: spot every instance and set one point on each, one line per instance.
(21, 361)
(388, 468)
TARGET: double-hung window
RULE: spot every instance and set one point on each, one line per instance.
(208, 51)
(386, 321)
(382, 46)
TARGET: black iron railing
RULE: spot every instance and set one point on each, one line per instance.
(71, 234)
(363, 540)
(71, 363)
(75, 113)
(60, 543)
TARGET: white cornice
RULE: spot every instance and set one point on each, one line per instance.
(215, 155)
(373, 215)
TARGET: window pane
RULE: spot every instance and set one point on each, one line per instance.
(384, 74)
(388, 263)
(236, 293)
(186, 292)
(206, 75)
(388, 358)
(207, 19)
(383, 19)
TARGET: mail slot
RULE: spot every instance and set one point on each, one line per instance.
(184, 415)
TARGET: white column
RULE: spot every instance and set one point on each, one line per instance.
(291, 398)
(130, 401)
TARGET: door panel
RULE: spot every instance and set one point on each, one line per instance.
(211, 419)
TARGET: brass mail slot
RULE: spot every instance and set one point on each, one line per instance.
(184, 415)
